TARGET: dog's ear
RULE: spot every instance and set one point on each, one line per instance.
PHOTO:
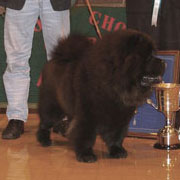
(133, 41)
(137, 42)
(136, 38)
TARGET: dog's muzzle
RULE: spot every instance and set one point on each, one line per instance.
(149, 80)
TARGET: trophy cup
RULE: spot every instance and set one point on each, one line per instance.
(167, 96)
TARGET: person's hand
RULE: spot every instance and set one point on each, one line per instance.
(2, 10)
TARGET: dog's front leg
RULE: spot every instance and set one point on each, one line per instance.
(114, 140)
(83, 136)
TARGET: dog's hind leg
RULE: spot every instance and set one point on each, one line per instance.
(61, 125)
(114, 140)
(49, 113)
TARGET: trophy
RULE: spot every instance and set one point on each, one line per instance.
(167, 96)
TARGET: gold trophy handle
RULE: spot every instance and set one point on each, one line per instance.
(149, 101)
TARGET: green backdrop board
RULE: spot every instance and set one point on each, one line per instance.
(108, 18)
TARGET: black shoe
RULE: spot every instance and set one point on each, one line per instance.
(13, 130)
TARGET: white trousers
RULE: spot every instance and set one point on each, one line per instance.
(18, 37)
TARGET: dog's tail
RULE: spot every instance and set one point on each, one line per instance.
(71, 48)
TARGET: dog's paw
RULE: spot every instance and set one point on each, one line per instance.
(117, 152)
(46, 143)
(86, 156)
(44, 138)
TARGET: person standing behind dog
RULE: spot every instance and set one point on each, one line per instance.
(20, 20)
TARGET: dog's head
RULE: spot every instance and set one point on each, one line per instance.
(153, 71)
(141, 63)
(140, 68)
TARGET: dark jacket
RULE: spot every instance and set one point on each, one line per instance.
(166, 34)
(58, 5)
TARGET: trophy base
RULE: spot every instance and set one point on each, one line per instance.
(166, 147)
(168, 138)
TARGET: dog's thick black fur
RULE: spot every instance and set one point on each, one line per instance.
(98, 86)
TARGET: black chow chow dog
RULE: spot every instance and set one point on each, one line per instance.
(98, 87)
